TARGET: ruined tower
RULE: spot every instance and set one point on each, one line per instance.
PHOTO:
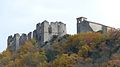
(44, 32)
(22, 39)
(13, 42)
(87, 26)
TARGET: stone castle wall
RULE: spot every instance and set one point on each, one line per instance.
(43, 32)
(87, 26)
(13, 42)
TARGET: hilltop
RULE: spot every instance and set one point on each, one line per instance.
(49, 45)
(91, 49)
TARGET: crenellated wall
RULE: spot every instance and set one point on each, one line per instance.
(23, 38)
(44, 32)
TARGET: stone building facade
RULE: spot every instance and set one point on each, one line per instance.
(44, 32)
(87, 26)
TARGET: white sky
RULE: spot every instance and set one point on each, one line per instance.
(21, 16)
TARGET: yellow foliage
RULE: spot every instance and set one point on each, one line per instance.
(65, 61)
(7, 53)
(85, 48)
(76, 50)
(28, 55)
(89, 37)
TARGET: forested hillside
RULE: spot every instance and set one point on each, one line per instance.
(92, 49)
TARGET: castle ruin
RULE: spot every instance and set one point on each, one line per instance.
(44, 32)
(87, 26)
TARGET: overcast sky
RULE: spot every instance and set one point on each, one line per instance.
(21, 16)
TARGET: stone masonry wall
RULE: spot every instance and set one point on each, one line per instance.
(44, 32)
(87, 26)
(13, 42)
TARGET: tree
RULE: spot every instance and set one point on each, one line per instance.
(65, 60)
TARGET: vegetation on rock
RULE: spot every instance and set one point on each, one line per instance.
(92, 49)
